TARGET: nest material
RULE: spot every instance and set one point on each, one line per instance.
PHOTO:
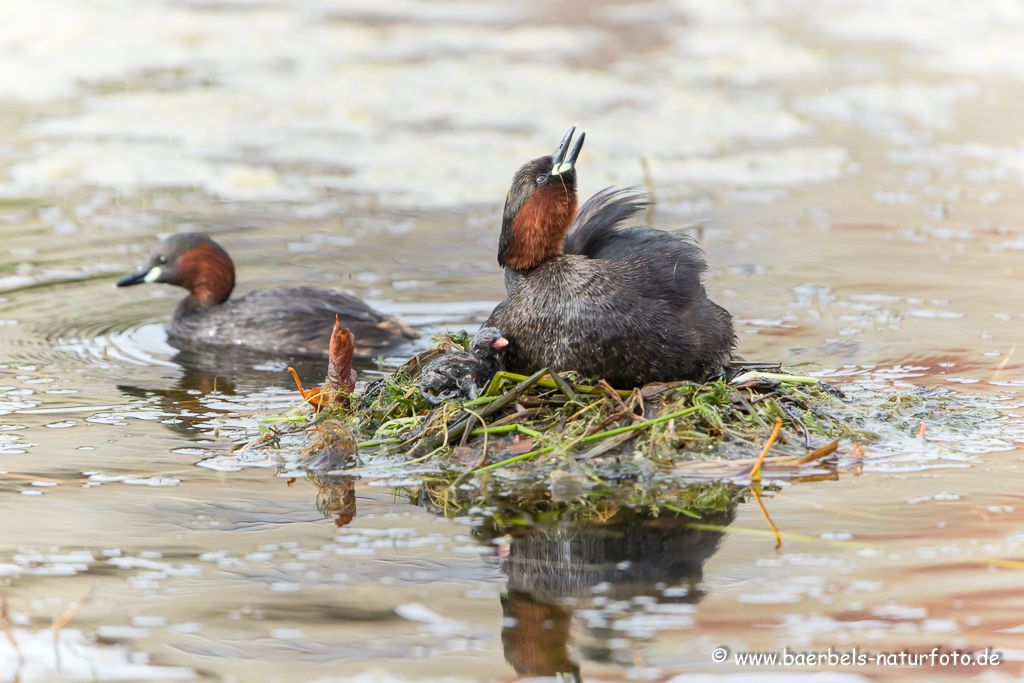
(579, 444)
(571, 433)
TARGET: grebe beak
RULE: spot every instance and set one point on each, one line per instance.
(560, 164)
(499, 343)
(146, 275)
(559, 156)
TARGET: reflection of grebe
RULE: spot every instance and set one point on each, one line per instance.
(552, 567)
(283, 321)
(556, 567)
(631, 555)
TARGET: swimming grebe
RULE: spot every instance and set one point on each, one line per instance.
(463, 374)
(283, 321)
(625, 304)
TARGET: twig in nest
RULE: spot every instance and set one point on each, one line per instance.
(618, 399)
(469, 426)
(819, 453)
(803, 428)
(596, 404)
(763, 397)
(565, 388)
(755, 474)
(608, 445)
(639, 425)
(611, 419)
(749, 407)
(637, 399)
(483, 457)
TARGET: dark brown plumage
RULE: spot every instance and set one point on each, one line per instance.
(625, 304)
(283, 321)
(461, 374)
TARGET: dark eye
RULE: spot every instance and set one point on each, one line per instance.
(542, 178)
(162, 259)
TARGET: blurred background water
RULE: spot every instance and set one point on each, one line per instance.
(852, 169)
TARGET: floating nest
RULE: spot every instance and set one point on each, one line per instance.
(557, 446)
(561, 437)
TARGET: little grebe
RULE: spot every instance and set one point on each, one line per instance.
(625, 304)
(461, 374)
(283, 321)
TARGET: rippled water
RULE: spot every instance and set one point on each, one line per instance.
(853, 170)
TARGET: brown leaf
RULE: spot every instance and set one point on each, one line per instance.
(341, 378)
(520, 447)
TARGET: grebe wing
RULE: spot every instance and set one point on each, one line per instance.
(600, 217)
(668, 264)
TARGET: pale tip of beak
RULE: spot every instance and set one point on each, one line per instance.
(153, 275)
(500, 343)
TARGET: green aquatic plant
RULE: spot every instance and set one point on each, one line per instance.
(531, 426)
(567, 438)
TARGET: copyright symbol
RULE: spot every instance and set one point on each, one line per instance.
(719, 654)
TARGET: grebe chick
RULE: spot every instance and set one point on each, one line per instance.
(461, 374)
(625, 304)
(281, 321)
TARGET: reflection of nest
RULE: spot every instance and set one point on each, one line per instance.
(561, 549)
(336, 497)
(563, 554)
(568, 559)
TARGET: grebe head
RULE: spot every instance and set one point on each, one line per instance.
(540, 207)
(192, 261)
(486, 342)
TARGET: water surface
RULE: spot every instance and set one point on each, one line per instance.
(853, 170)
